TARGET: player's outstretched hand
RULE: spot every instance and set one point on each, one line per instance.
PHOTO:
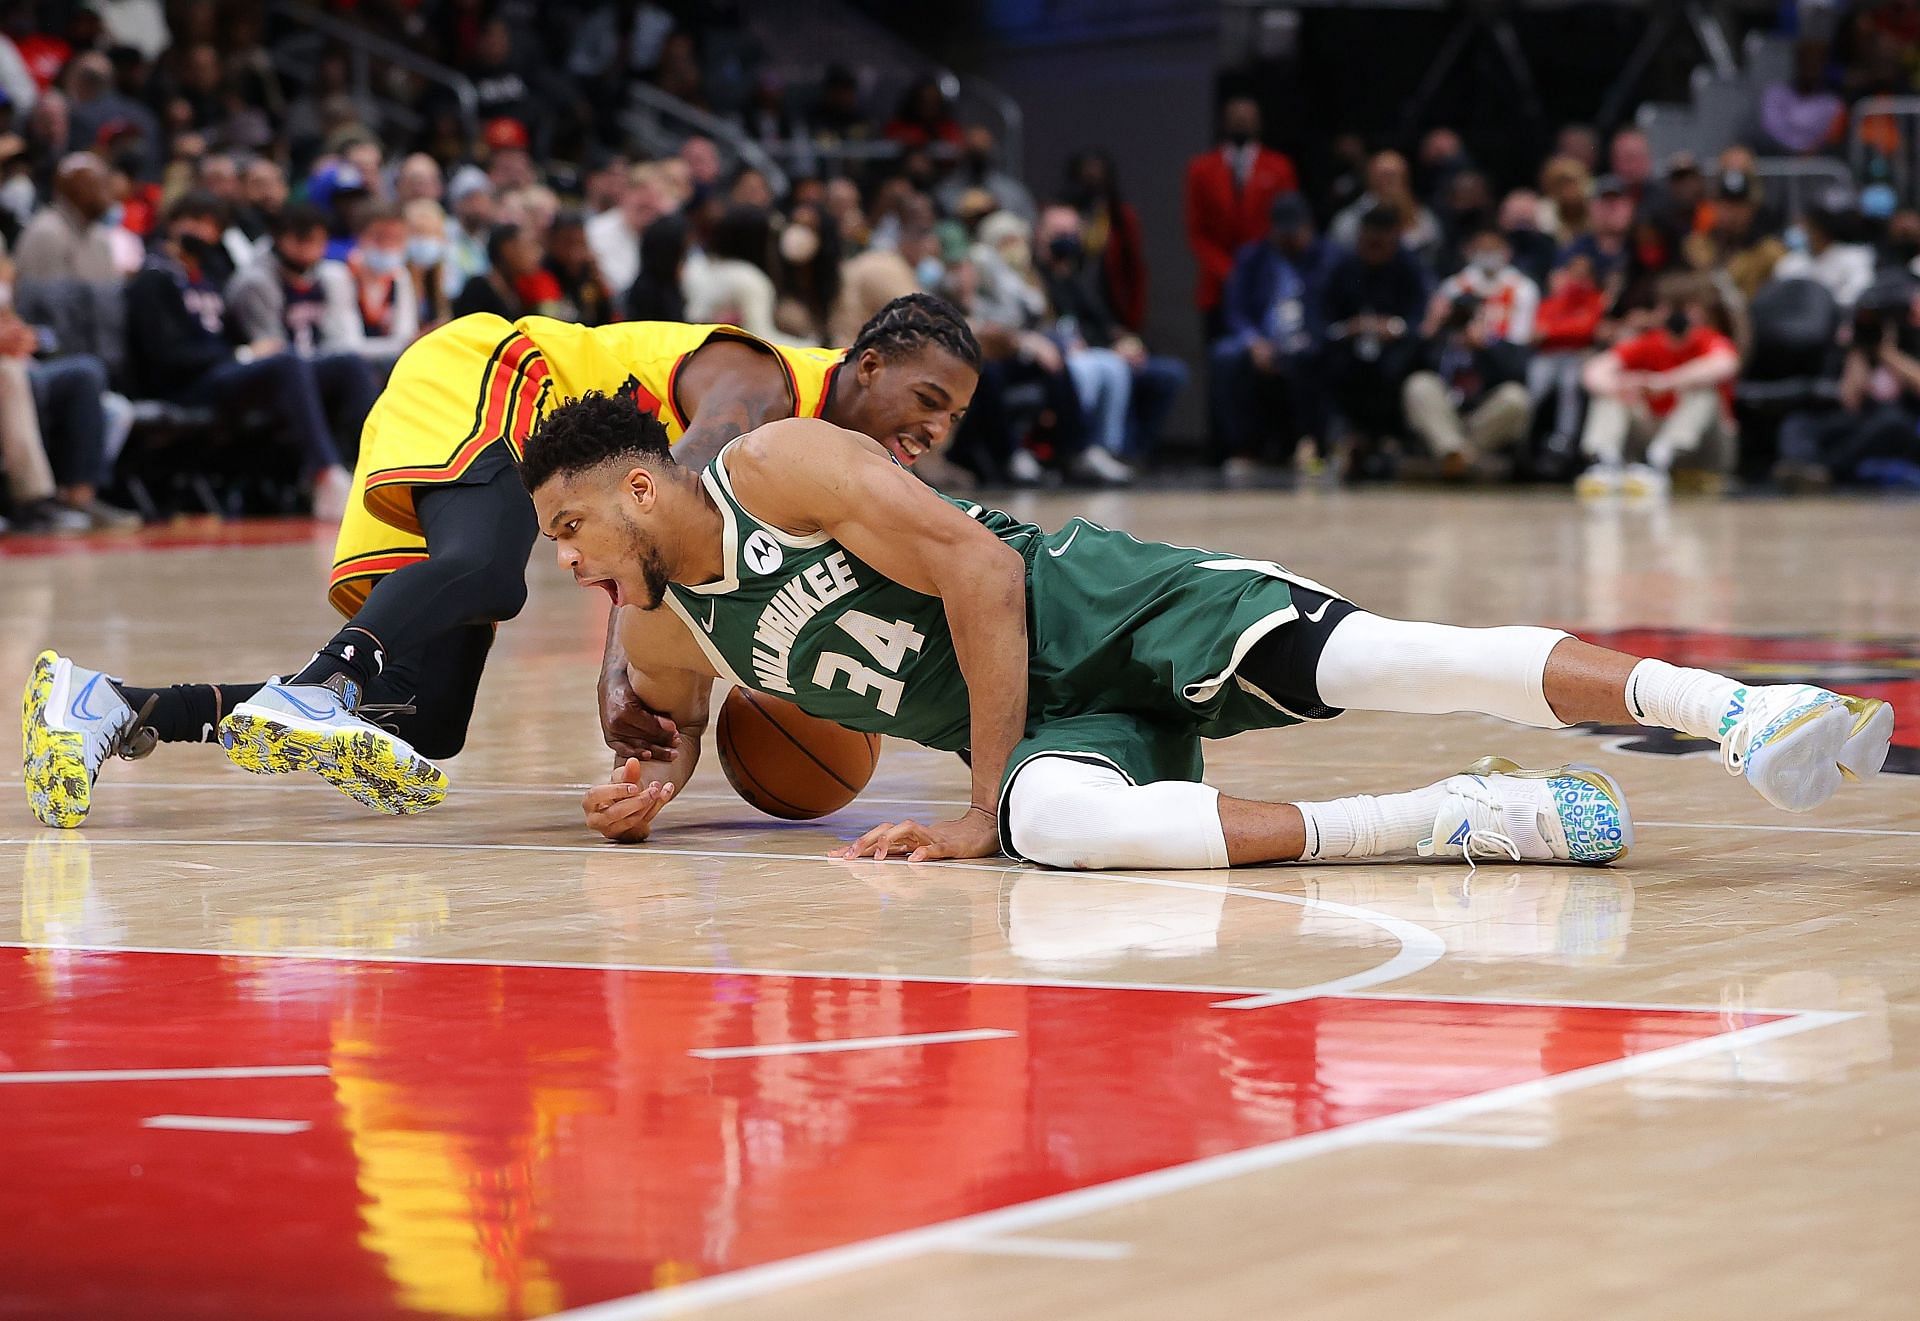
(623, 810)
(631, 730)
(975, 835)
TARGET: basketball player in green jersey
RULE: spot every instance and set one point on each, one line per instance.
(1082, 668)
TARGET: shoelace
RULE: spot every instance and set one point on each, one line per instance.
(1494, 843)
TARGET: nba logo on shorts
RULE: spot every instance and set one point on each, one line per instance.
(762, 552)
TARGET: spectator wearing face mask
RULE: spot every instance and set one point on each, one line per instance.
(1125, 391)
(1468, 399)
(807, 274)
(178, 349)
(471, 196)
(427, 259)
(1667, 391)
(1817, 252)
(1229, 201)
(388, 305)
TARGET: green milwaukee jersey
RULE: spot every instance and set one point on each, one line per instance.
(1133, 645)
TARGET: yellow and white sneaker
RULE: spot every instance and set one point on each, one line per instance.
(1494, 809)
(1644, 483)
(315, 727)
(1600, 482)
(1796, 743)
(71, 720)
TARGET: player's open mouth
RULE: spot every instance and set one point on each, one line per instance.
(607, 585)
(907, 448)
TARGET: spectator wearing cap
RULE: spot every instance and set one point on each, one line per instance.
(1390, 188)
(1266, 366)
(1844, 269)
(1468, 397)
(1229, 200)
(65, 239)
(470, 195)
(509, 163)
(1376, 296)
(1800, 114)
(178, 348)
(1737, 242)
(614, 234)
(1680, 207)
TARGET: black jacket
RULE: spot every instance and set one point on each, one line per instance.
(176, 328)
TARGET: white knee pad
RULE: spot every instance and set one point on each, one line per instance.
(1375, 664)
(1085, 815)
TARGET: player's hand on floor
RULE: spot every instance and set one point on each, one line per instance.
(631, 730)
(975, 835)
(623, 810)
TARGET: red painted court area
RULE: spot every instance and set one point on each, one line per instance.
(480, 1140)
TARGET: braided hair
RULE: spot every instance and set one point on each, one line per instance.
(913, 321)
(584, 433)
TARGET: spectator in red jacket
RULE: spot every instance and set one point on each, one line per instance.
(1111, 229)
(1230, 192)
(923, 117)
(1563, 333)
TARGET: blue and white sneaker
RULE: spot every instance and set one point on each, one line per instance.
(293, 727)
(1495, 809)
(71, 720)
(1796, 743)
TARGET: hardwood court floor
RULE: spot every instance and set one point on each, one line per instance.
(271, 1056)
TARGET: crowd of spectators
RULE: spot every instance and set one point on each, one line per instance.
(197, 236)
(203, 235)
(1616, 319)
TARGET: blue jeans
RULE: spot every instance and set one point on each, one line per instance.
(1104, 383)
(286, 385)
(68, 395)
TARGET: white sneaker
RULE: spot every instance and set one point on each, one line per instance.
(1495, 809)
(1101, 466)
(71, 720)
(331, 490)
(1795, 743)
(1600, 482)
(291, 727)
(1025, 470)
(1640, 481)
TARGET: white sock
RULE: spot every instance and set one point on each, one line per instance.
(1696, 702)
(1369, 825)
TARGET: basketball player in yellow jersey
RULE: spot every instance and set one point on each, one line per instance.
(433, 551)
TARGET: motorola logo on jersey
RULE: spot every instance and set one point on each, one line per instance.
(762, 552)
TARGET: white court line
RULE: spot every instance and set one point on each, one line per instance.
(572, 791)
(754, 1281)
(1780, 830)
(1505, 1141)
(1062, 1249)
(849, 1043)
(1525, 1001)
(227, 1124)
(166, 1075)
(1419, 948)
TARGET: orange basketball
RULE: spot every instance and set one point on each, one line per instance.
(787, 763)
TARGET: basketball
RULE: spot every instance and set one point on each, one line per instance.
(790, 764)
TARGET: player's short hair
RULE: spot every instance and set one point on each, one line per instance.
(911, 322)
(586, 432)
